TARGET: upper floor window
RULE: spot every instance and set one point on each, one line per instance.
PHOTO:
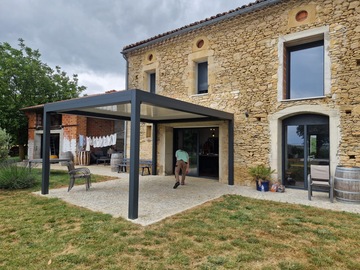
(55, 120)
(152, 82)
(202, 78)
(305, 70)
(39, 120)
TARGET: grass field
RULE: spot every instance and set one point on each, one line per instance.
(231, 232)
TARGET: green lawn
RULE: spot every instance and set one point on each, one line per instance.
(232, 232)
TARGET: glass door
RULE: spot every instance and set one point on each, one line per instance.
(294, 156)
(188, 139)
(318, 150)
(306, 142)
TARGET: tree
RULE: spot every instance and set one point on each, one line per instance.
(26, 81)
(4, 144)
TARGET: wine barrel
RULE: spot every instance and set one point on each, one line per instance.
(115, 161)
(84, 158)
(347, 184)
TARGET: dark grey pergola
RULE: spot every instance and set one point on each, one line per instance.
(136, 106)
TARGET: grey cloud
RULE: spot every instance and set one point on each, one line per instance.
(90, 34)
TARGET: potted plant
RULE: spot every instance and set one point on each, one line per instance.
(261, 175)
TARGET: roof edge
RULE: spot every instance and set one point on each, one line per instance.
(257, 5)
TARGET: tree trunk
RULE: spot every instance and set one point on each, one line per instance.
(21, 152)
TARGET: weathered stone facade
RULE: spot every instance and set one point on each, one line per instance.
(245, 76)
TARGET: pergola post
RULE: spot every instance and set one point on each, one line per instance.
(154, 149)
(134, 158)
(231, 151)
(46, 154)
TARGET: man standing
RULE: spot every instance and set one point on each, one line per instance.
(182, 163)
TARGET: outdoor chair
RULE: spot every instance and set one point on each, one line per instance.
(78, 173)
(321, 179)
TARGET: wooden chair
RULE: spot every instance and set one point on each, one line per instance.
(320, 177)
(78, 173)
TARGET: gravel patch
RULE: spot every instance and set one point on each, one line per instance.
(158, 199)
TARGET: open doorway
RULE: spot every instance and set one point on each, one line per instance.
(54, 145)
(202, 145)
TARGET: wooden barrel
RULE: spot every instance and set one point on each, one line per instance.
(347, 184)
(84, 158)
(115, 161)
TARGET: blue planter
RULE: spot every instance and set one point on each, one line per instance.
(265, 184)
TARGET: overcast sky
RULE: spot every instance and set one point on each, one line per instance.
(85, 37)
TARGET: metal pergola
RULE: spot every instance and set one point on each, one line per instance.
(135, 106)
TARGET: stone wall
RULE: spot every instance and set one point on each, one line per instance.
(145, 140)
(243, 59)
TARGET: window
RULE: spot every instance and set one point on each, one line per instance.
(305, 70)
(56, 120)
(39, 120)
(152, 82)
(202, 78)
(200, 71)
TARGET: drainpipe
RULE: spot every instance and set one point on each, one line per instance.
(126, 88)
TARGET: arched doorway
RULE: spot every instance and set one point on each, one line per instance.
(305, 142)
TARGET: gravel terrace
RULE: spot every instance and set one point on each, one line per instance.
(158, 199)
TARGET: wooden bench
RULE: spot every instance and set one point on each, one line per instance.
(143, 164)
(104, 159)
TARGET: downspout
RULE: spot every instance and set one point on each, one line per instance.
(126, 88)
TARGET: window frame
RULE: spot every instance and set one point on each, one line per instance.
(152, 82)
(287, 73)
(39, 119)
(198, 83)
(302, 38)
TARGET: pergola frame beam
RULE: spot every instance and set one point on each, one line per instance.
(135, 98)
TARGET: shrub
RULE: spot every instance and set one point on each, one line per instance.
(4, 144)
(261, 173)
(15, 177)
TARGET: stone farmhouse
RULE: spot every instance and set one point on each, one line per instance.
(287, 70)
